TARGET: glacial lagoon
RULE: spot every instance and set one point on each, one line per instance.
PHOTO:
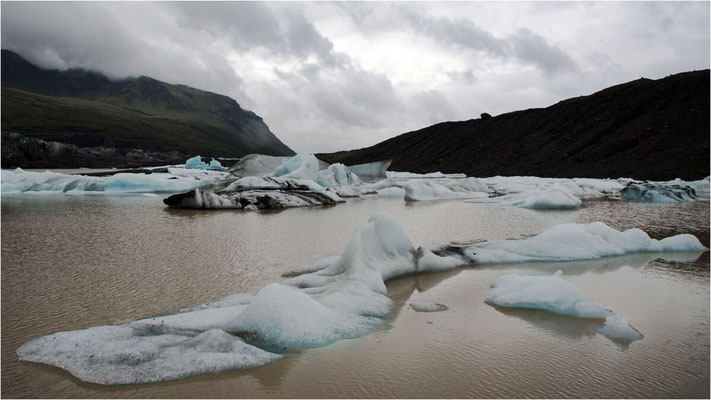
(74, 262)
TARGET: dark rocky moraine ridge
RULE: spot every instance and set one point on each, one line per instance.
(644, 129)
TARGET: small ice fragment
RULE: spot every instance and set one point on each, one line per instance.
(618, 328)
(427, 306)
(550, 293)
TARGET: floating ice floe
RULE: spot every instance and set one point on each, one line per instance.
(581, 188)
(666, 192)
(427, 306)
(550, 293)
(338, 297)
(467, 188)
(556, 197)
(197, 163)
(20, 181)
(569, 242)
(617, 327)
(557, 295)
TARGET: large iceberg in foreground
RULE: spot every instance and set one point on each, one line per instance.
(343, 297)
(559, 296)
(337, 297)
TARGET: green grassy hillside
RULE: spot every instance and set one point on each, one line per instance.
(87, 109)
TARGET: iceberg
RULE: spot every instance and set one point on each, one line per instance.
(197, 163)
(252, 199)
(570, 242)
(20, 181)
(258, 165)
(306, 166)
(550, 293)
(559, 296)
(556, 197)
(371, 171)
(617, 327)
(391, 192)
(337, 297)
(663, 192)
(466, 188)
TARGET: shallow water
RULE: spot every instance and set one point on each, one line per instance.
(71, 262)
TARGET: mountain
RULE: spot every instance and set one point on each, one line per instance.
(644, 129)
(87, 109)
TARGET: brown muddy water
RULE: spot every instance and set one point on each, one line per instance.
(72, 262)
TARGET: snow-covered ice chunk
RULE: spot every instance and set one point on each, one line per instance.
(468, 188)
(282, 316)
(570, 242)
(660, 192)
(337, 175)
(301, 166)
(116, 355)
(391, 192)
(20, 181)
(427, 306)
(550, 293)
(556, 197)
(618, 328)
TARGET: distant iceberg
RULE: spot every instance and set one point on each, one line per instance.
(20, 181)
(556, 197)
(197, 163)
(424, 190)
(337, 297)
(306, 166)
(667, 192)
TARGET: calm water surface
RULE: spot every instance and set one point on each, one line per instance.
(72, 262)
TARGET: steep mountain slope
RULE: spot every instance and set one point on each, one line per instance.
(86, 108)
(645, 129)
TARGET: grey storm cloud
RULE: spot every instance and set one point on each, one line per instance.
(330, 76)
(524, 45)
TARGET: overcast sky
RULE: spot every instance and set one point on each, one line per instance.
(338, 76)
